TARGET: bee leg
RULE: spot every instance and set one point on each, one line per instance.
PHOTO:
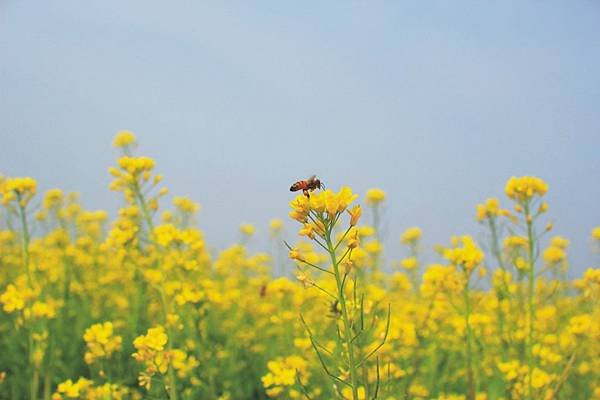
(306, 193)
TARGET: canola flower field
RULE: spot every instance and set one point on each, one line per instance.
(139, 308)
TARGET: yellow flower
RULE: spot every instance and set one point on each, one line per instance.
(353, 241)
(307, 230)
(554, 255)
(347, 393)
(374, 196)
(373, 247)
(468, 256)
(100, 342)
(539, 378)
(489, 209)
(525, 188)
(165, 234)
(596, 233)
(510, 369)
(182, 362)
(74, 390)
(282, 373)
(515, 242)
(247, 229)
(355, 214)
(41, 309)
(124, 139)
(321, 202)
(581, 324)
(186, 205)
(20, 189)
(154, 341)
(365, 231)
(12, 299)
(136, 165)
(304, 278)
(300, 208)
(294, 254)
(275, 225)
(521, 264)
(411, 235)
(409, 263)
(52, 198)
(560, 242)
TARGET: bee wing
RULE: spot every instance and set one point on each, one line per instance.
(311, 178)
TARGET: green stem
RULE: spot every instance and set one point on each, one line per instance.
(345, 319)
(144, 207)
(376, 220)
(34, 386)
(500, 292)
(530, 294)
(415, 272)
(173, 383)
(25, 241)
(468, 342)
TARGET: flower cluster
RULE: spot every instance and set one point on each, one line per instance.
(20, 190)
(465, 254)
(490, 210)
(374, 196)
(411, 235)
(326, 202)
(282, 374)
(100, 342)
(525, 188)
(150, 351)
(124, 139)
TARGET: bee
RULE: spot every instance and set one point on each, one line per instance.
(334, 309)
(307, 185)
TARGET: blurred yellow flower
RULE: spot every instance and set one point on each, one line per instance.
(409, 263)
(554, 254)
(275, 225)
(411, 235)
(374, 196)
(20, 189)
(186, 205)
(468, 256)
(596, 233)
(490, 209)
(247, 229)
(123, 139)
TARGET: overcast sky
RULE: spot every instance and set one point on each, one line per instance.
(436, 102)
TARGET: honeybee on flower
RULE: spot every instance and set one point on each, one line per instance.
(307, 185)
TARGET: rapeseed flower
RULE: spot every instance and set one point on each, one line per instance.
(247, 229)
(374, 196)
(411, 235)
(468, 256)
(21, 190)
(525, 188)
(124, 139)
(100, 342)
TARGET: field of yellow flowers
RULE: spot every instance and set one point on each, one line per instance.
(139, 308)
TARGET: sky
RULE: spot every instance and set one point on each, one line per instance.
(438, 103)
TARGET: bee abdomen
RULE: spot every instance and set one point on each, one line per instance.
(296, 186)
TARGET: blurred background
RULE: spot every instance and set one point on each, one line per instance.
(438, 103)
